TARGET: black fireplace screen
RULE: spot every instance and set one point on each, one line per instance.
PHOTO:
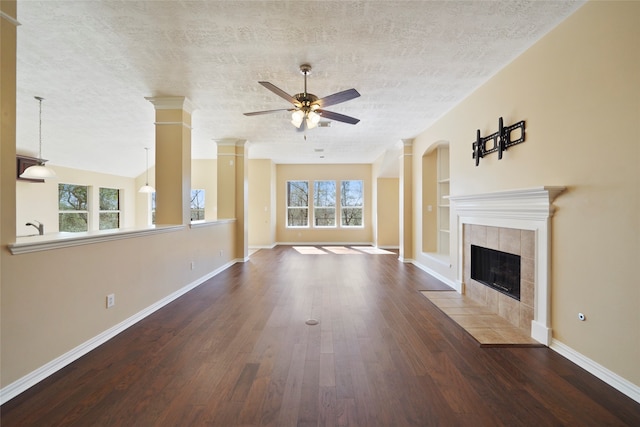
(498, 270)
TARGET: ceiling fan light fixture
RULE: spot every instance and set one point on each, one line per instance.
(296, 118)
(308, 107)
(313, 119)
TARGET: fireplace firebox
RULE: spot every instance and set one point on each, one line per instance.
(496, 269)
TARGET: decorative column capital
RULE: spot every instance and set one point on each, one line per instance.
(230, 142)
(171, 103)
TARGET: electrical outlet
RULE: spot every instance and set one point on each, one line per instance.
(193, 265)
(111, 300)
(221, 252)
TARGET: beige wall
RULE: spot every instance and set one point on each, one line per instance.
(388, 235)
(578, 91)
(262, 194)
(54, 300)
(39, 200)
(338, 172)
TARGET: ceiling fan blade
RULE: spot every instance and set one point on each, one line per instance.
(337, 98)
(280, 93)
(337, 116)
(257, 113)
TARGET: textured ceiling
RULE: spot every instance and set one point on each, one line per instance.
(94, 62)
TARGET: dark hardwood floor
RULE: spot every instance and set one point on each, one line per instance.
(236, 352)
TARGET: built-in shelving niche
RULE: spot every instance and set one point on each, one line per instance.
(443, 199)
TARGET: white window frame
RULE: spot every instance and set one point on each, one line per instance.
(331, 207)
(288, 207)
(191, 208)
(360, 206)
(118, 211)
(87, 212)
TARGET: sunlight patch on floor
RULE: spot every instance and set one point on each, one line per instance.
(341, 250)
(309, 250)
(373, 251)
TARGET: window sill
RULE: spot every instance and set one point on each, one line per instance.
(47, 242)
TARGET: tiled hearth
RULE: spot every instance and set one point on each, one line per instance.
(487, 327)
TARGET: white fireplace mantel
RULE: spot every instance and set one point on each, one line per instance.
(525, 209)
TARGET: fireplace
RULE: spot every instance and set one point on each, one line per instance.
(515, 222)
(497, 270)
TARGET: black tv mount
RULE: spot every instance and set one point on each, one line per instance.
(500, 140)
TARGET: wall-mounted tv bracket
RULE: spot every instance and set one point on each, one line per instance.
(499, 141)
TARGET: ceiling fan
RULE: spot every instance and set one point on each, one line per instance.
(308, 107)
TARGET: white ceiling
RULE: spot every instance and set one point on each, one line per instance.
(94, 62)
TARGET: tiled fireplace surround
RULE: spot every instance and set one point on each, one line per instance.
(513, 221)
(512, 241)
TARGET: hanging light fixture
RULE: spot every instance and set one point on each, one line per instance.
(308, 115)
(146, 188)
(39, 171)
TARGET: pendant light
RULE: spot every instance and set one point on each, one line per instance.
(39, 171)
(146, 188)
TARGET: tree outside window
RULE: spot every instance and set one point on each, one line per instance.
(197, 205)
(351, 203)
(153, 207)
(324, 203)
(73, 212)
(297, 203)
(109, 214)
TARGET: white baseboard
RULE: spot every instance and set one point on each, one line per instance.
(15, 388)
(443, 279)
(540, 333)
(263, 246)
(614, 380)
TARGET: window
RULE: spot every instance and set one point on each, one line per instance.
(153, 207)
(324, 203)
(351, 203)
(73, 212)
(197, 205)
(297, 203)
(109, 215)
